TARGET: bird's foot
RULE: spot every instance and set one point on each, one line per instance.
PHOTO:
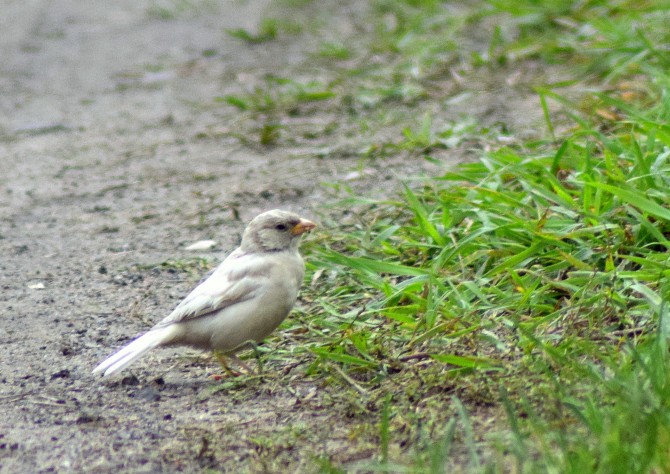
(230, 372)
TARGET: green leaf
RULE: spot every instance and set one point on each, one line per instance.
(463, 361)
(375, 266)
(235, 101)
(635, 199)
(343, 358)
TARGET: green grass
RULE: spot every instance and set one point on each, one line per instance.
(509, 314)
(170, 9)
(371, 79)
(268, 30)
(547, 266)
(541, 270)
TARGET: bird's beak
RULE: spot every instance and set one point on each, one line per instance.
(303, 226)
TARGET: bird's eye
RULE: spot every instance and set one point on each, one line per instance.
(281, 227)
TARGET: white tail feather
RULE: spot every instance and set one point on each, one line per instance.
(133, 351)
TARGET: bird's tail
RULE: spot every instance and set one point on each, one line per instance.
(136, 349)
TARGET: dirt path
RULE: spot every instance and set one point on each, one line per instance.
(114, 156)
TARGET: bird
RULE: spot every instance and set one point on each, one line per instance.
(246, 297)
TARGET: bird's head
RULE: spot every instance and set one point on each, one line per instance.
(274, 231)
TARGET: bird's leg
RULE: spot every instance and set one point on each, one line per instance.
(257, 354)
(223, 360)
(221, 357)
(245, 368)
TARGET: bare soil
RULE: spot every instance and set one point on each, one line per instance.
(114, 156)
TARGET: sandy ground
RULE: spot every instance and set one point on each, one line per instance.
(114, 156)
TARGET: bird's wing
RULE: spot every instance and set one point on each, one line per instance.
(238, 278)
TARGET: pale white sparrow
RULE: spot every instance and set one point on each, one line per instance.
(245, 299)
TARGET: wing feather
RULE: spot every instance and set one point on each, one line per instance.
(238, 278)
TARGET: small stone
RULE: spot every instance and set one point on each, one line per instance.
(202, 245)
(61, 374)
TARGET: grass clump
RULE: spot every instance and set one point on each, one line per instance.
(533, 282)
(545, 271)
(509, 313)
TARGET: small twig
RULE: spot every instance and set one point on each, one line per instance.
(51, 404)
(418, 355)
(355, 318)
(289, 367)
(18, 396)
(203, 448)
(349, 380)
(626, 332)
